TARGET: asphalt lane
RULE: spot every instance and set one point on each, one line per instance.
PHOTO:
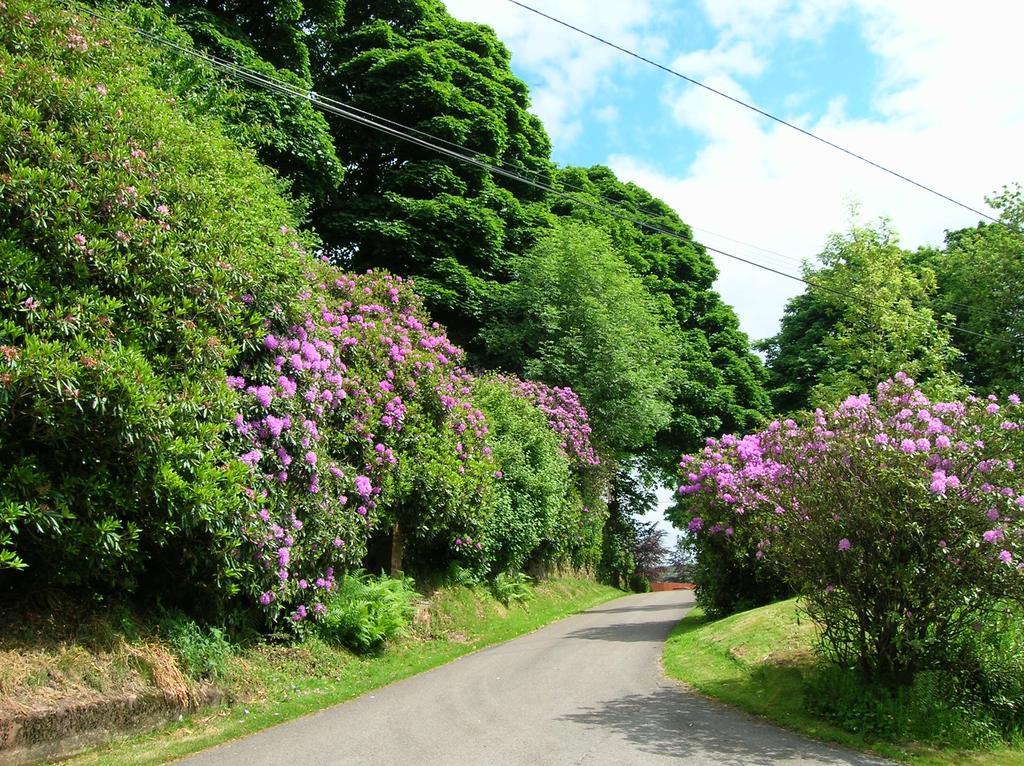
(585, 690)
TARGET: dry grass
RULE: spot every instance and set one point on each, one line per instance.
(73, 655)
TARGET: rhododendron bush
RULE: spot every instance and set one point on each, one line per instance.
(547, 504)
(121, 311)
(898, 519)
(191, 404)
(356, 415)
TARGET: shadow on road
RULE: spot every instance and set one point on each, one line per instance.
(647, 608)
(627, 631)
(672, 723)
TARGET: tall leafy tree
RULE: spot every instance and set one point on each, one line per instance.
(577, 316)
(980, 273)
(866, 315)
(450, 225)
(271, 38)
(720, 382)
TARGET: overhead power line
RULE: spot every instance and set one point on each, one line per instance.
(455, 151)
(756, 109)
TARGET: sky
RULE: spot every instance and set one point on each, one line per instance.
(929, 88)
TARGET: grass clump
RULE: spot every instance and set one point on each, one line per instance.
(203, 653)
(512, 587)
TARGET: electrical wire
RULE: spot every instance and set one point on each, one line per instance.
(758, 110)
(409, 135)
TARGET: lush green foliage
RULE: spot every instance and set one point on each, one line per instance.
(729, 575)
(193, 403)
(202, 652)
(632, 549)
(535, 483)
(866, 313)
(122, 271)
(921, 538)
(365, 612)
(762, 660)
(453, 227)
(512, 587)
(289, 135)
(447, 224)
(720, 383)
(577, 316)
(979, 276)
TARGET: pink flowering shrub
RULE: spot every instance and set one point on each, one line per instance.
(544, 510)
(566, 416)
(576, 533)
(356, 417)
(193, 406)
(122, 276)
(899, 520)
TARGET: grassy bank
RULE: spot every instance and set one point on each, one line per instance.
(762, 661)
(271, 683)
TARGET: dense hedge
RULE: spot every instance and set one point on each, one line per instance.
(195, 405)
(129, 238)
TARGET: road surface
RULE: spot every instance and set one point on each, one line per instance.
(587, 690)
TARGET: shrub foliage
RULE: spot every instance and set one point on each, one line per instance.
(898, 519)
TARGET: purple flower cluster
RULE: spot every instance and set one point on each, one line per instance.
(320, 424)
(960, 459)
(567, 417)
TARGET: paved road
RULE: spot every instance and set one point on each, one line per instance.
(585, 690)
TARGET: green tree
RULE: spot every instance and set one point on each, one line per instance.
(577, 316)
(451, 226)
(720, 383)
(866, 315)
(798, 354)
(290, 135)
(980, 273)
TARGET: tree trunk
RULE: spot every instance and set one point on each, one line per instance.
(397, 551)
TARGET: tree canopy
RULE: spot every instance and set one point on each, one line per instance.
(980, 273)
(719, 385)
(577, 316)
(866, 313)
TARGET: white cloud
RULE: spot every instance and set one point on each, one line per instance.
(570, 69)
(947, 114)
(608, 114)
(763, 20)
(725, 58)
(946, 111)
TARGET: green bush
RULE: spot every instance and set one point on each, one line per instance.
(139, 252)
(365, 612)
(512, 587)
(203, 654)
(935, 708)
(534, 482)
(731, 578)
(639, 584)
(990, 669)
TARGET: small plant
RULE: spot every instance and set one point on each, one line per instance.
(460, 575)
(365, 612)
(509, 587)
(203, 653)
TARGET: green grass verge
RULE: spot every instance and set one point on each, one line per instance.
(760, 661)
(281, 683)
